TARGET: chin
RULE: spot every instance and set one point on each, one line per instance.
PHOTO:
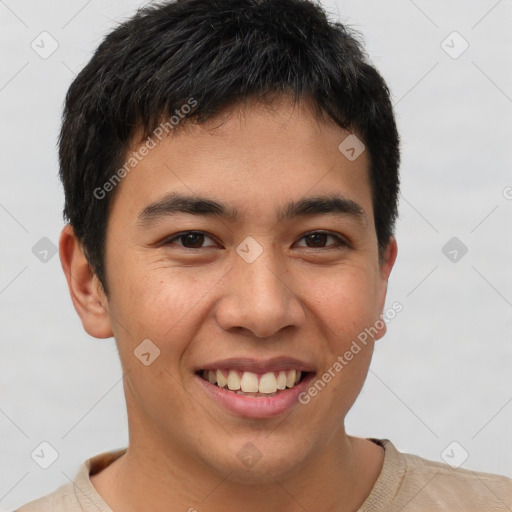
(259, 462)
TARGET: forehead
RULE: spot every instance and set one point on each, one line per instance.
(253, 159)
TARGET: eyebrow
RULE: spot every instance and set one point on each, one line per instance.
(175, 203)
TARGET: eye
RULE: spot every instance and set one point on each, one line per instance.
(313, 240)
(318, 239)
(190, 240)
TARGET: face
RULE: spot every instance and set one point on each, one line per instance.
(274, 271)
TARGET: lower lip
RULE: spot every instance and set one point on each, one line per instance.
(256, 407)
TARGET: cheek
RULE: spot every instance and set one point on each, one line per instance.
(344, 309)
(345, 306)
(162, 304)
(344, 300)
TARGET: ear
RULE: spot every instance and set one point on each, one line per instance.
(386, 265)
(86, 291)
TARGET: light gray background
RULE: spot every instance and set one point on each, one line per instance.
(442, 373)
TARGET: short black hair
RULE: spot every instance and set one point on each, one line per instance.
(214, 54)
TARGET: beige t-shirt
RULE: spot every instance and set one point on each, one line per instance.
(407, 483)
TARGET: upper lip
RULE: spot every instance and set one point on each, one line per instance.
(248, 364)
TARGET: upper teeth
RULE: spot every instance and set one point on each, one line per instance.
(248, 382)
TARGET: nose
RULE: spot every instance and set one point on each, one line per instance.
(259, 298)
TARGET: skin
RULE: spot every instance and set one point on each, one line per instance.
(202, 305)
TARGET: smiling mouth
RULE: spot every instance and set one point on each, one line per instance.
(253, 384)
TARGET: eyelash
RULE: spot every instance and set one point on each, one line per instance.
(340, 242)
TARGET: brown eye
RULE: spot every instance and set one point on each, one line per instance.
(316, 239)
(190, 240)
(193, 240)
(319, 239)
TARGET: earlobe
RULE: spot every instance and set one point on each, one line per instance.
(86, 292)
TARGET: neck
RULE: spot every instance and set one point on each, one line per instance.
(338, 479)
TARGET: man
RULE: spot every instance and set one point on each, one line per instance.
(231, 179)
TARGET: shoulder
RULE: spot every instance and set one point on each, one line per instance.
(80, 494)
(63, 499)
(428, 485)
